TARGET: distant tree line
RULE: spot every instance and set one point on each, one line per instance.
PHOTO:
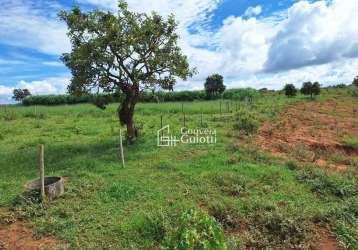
(147, 97)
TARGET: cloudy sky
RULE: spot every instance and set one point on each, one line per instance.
(253, 43)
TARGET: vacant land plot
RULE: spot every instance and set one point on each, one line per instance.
(322, 132)
(257, 200)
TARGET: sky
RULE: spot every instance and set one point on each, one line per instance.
(252, 43)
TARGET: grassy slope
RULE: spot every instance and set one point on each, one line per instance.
(134, 208)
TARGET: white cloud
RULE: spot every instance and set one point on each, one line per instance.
(53, 63)
(32, 25)
(253, 11)
(5, 94)
(52, 85)
(246, 49)
(314, 34)
(11, 62)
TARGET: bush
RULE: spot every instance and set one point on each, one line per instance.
(196, 230)
(246, 122)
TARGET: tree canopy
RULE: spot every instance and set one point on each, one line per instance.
(311, 89)
(290, 90)
(214, 85)
(128, 53)
(355, 81)
(20, 94)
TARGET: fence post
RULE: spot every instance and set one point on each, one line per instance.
(121, 146)
(42, 170)
(201, 118)
(184, 119)
(161, 125)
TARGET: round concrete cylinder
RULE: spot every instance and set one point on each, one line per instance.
(54, 186)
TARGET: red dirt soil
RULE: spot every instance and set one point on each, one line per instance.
(312, 132)
(326, 241)
(17, 236)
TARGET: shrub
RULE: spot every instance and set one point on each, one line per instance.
(246, 122)
(324, 184)
(196, 230)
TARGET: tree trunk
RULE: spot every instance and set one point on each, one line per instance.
(126, 112)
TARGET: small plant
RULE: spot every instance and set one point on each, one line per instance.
(196, 230)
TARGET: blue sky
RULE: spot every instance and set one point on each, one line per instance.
(253, 43)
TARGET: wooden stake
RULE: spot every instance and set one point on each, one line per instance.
(182, 107)
(201, 119)
(42, 170)
(184, 119)
(121, 146)
(161, 124)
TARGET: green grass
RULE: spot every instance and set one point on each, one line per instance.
(106, 206)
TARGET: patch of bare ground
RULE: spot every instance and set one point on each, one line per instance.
(15, 235)
(326, 241)
(312, 132)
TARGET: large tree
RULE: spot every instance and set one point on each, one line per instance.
(355, 81)
(214, 85)
(311, 89)
(20, 94)
(129, 52)
(290, 90)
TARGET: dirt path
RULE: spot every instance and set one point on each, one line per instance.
(326, 241)
(313, 132)
(17, 236)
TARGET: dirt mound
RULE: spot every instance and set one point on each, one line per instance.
(17, 236)
(313, 132)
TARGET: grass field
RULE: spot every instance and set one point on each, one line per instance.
(258, 201)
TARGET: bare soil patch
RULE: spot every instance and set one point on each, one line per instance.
(313, 132)
(326, 241)
(17, 236)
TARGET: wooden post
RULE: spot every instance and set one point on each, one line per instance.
(121, 146)
(42, 170)
(184, 119)
(161, 124)
(182, 107)
(201, 119)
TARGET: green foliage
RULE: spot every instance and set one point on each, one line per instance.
(123, 53)
(323, 184)
(214, 85)
(196, 231)
(20, 94)
(241, 94)
(354, 92)
(290, 90)
(311, 89)
(246, 121)
(351, 141)
(355, 81)
(52, 100)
